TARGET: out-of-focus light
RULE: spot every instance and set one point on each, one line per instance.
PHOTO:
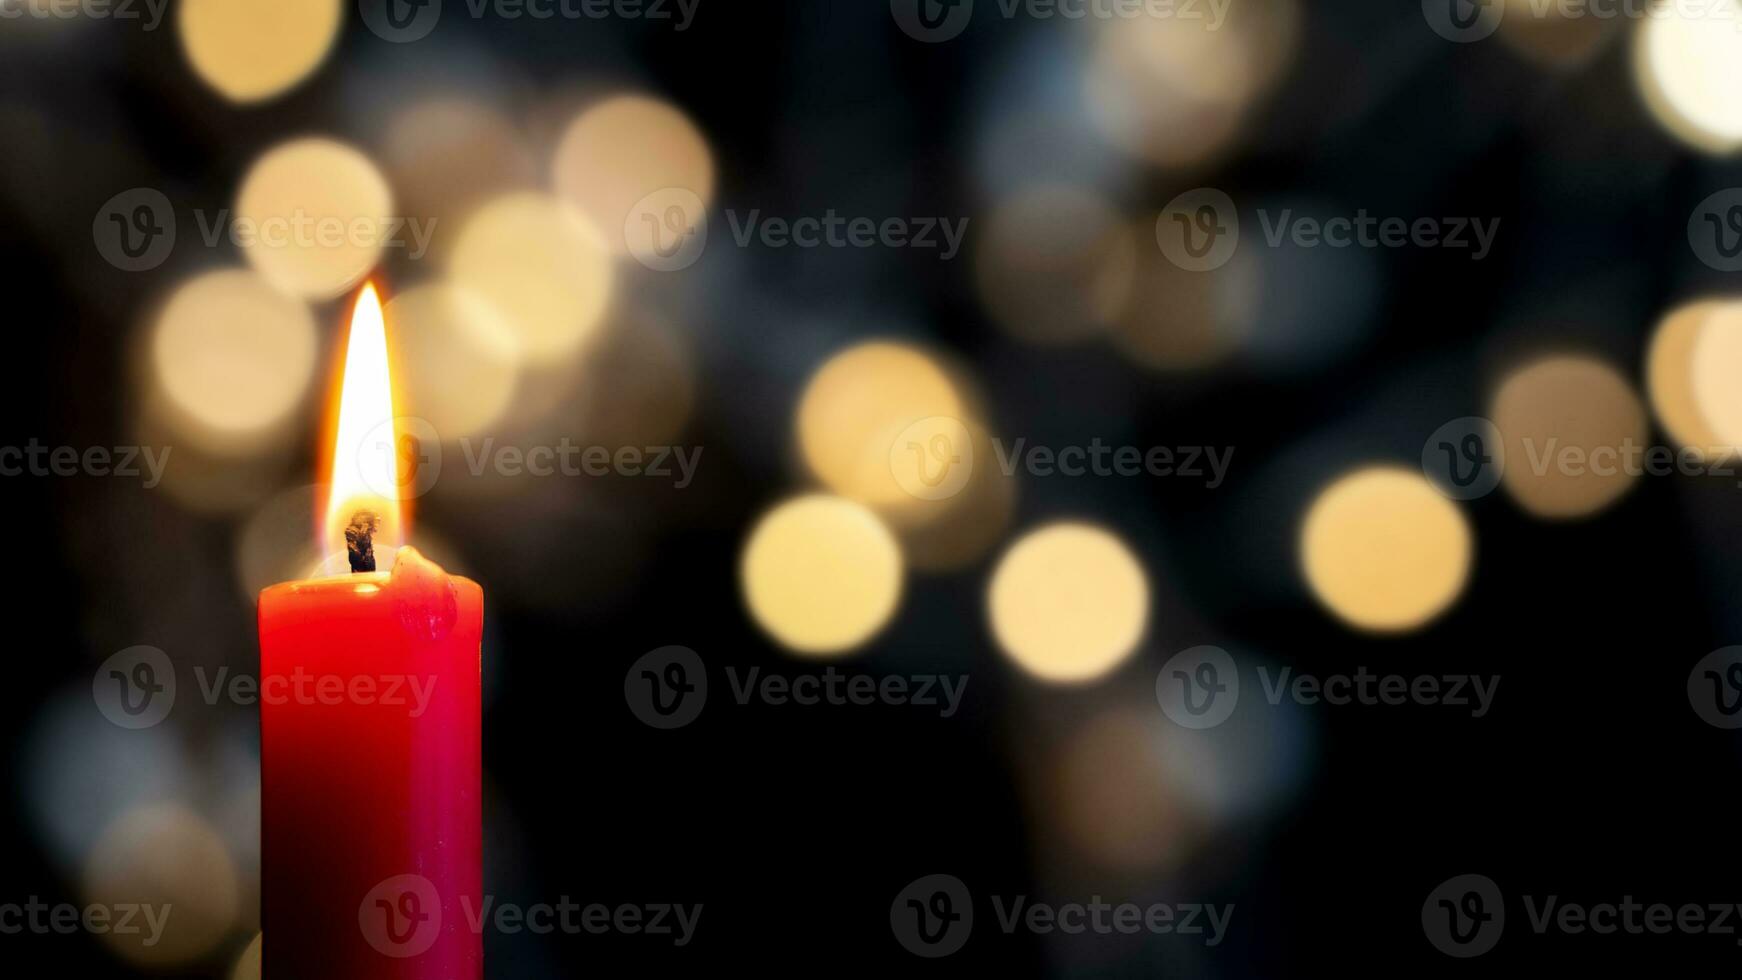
(1115, 806)
(1567, 422)
(275, 543)
(1176, 320)
(1384, 550)
(1669, 377)
(248, 964)
(1717, 364)
(546, 270)
(314, 214)
(953, 532)
(459, 358)
(1689, 69)
(1554, 35)
(1175, 90)
(821, 574)
(232, 355)
(617, 153)
(856, 414)
(165, 856)
(447, 155)
(1055, 264)
(1068, 602)
(249, 52)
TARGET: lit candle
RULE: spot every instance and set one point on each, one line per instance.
(369, 720)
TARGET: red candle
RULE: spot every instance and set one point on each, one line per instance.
(371, 865)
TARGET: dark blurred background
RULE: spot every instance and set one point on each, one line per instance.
(1062, 142)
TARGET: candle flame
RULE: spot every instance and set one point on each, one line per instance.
(365, 474)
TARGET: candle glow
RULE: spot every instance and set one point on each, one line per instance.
(364, 471)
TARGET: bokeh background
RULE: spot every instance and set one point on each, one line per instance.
(537, 314)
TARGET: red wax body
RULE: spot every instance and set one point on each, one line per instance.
(371, 821)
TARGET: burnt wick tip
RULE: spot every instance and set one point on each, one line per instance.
(360, 540)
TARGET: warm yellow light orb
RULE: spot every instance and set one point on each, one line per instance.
(1690, 69)
(618, 153)
(821, 574)
(460, 360)
(232, 355)
(1384, 550)
(250, 51)
(313, 216)
(542, 266)
(1574, 431)
(1669, 376)
(1068, 602)
(857, 412)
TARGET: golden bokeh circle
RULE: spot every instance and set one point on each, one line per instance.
(1553, 414)
(251, 51)
(1689, 69)
(622, 151)
(1384, 550)
(315, 214)
(165, 856)
(231, 355)
(544, 268)
(459, 359)
(1669, 376)
(856, 411)
(1068, 602)
(821, 574)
